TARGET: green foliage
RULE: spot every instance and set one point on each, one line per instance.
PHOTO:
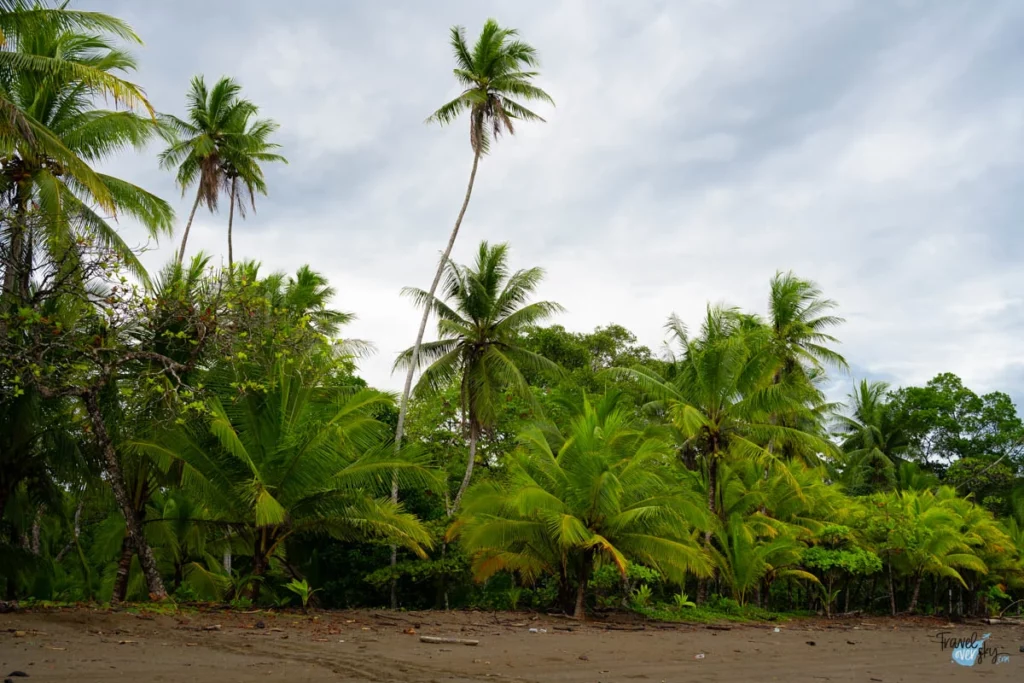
(682, 601)
(301, 588)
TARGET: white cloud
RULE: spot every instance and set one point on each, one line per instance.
(694, 150)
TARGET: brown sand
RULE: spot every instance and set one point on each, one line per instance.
(92, 646)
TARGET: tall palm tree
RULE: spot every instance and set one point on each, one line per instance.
(497, 69)
(52, 191)
(873, 439)
(244, 151)
(481, 315)
(598, 491)
(198, 145)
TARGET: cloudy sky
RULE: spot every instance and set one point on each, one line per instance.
(696, 148)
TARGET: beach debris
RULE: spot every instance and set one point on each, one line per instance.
(850, 642)
(778, 630)
(212, 627)
(260, 624)
(811, 643)
(713, 627)
(699, 655)
(443, 640)
(126, 642)
(409, 631)
(584, 658)
(538, 630)
(20, 634)
(18, 674)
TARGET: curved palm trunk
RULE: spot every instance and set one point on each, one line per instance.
(231, 220)
(407, 389)
(474, 436)
(133, 526)
(403, 407)
(188, 226)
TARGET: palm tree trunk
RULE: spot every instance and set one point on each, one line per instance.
(133, 526)
(582, 578)
(16, 256)
(124, 565)
(407, 389)
(231, 220)
(892, 590)
(474, 436)
(188, 226)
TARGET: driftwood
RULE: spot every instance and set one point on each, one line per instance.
(1004, 620)
(439, 640)
(616, 627)
(712, 627)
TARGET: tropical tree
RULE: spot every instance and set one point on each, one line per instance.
(599, 492)
(873, 439)
(300, 456)
(720, 396)
(799, 318)
(481, 316)
(46, 178)
(21, 20)
(216, 118)
(244, 151)
(496, 76)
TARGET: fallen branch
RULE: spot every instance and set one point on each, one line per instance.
(441, 640)
(712, 627)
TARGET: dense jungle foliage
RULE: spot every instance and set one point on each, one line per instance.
(203, 434)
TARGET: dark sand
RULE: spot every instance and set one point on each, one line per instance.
(87, 646)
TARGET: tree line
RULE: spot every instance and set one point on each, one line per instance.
(202, 433)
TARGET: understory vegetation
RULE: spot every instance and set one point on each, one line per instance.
(203, 434)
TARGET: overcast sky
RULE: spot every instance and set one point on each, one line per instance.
(696, 148)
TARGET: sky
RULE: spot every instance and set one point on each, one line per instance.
(695, 149)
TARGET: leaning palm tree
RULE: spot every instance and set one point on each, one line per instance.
(197, 145)
(480, 319)
(52, 192)
(243, 153)
(599, 492)
(497, 69)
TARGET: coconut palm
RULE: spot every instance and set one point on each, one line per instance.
(243, 153)
(599, 492)
(52, 191)
(872, 439)
(197, 150)
(743, 558)
(721, 396)
(303, 456)
(798, 317)
(496, 76)
(20, 21)
(481, 316)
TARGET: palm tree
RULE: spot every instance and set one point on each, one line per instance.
(799, 317)
(304, 456)
(872, 439)
(50, 186)
(481, 317)
(599, 492)
(244, 151)
(498, 69)
(198, 146)
(721, 396)
(20, 21)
